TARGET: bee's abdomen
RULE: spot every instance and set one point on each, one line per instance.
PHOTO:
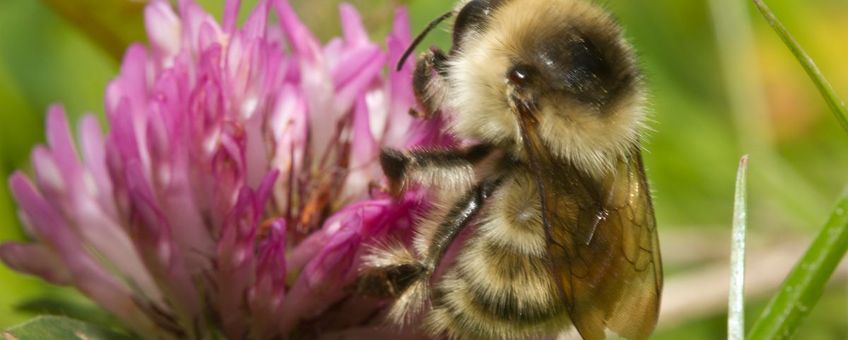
(500, 287)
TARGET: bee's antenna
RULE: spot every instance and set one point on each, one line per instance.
(420, 37)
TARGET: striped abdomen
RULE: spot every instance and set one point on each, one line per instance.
(500, 285)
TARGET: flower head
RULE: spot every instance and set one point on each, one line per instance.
(231, 190)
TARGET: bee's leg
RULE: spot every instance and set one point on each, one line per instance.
(458, 217)
(446, 168)
(396, 272)
(428, 81)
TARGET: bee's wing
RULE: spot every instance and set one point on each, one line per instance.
(605, 255)
(601, 237)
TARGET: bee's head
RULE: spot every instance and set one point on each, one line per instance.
(566, 58)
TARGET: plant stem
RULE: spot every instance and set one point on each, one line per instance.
(805, 284)
(736, 298)
(836, 105)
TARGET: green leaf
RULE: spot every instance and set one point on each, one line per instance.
(836, 105)
(806, 283)
(60, 328)
(736, 300)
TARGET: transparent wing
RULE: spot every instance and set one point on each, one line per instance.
(604, 250)
(601, 236)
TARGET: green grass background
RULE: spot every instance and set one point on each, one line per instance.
(47, 58)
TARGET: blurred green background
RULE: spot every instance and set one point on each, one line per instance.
(722, 84)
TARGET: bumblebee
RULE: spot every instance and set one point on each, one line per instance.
(562, 234)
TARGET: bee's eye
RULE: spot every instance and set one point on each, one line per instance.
(520, 75)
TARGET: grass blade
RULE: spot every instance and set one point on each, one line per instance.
(736, 299)
(805, 284)
(836, 105)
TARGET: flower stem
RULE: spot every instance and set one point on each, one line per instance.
(805, 284)
(736, 300)
(836, 105)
